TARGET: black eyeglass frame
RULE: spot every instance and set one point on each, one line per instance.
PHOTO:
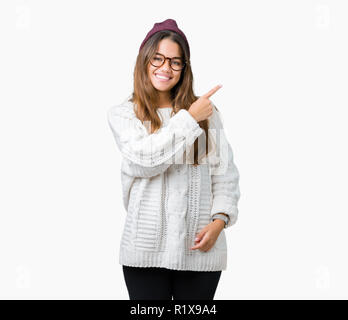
(185, 62)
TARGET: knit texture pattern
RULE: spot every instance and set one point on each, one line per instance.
(167, 199)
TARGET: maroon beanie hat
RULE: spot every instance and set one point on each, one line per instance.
(168, 24)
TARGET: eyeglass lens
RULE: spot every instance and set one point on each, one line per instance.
(158, 60)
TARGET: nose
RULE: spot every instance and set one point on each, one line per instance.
(166, 65)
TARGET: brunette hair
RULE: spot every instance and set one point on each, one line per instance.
(145, 95)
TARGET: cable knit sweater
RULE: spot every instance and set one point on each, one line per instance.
(167, 199)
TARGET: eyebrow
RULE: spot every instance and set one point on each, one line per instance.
(168, 57)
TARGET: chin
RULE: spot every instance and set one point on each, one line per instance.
(164, 87)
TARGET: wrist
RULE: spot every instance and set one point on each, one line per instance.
(192, 115)
(219, 222)
(221, 216)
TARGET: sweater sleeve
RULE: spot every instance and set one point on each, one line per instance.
(224, 176)
(147, 155)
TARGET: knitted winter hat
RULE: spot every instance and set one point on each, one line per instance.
(168, 24)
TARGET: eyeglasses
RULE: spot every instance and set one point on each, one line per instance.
(176, 63)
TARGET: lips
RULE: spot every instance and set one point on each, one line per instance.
(162, 77)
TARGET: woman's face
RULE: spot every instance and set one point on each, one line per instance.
(169, 49)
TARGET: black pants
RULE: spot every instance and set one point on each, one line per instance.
(152, 283)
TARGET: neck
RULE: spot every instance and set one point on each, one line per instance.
(164, 100)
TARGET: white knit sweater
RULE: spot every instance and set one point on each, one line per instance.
(167, 199)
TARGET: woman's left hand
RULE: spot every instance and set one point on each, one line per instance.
(206, 238)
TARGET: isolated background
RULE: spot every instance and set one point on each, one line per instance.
(283, 66)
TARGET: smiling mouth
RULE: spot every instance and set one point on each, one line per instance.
(162, 78)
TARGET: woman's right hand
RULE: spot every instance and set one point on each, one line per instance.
(202, 109)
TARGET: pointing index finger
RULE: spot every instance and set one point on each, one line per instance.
(212, 91)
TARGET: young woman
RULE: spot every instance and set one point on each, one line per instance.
(180, 183)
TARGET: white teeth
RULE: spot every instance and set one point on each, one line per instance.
(161, 77)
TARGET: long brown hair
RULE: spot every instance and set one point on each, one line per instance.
(145, 95)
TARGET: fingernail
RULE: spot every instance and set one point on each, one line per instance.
(196, 239)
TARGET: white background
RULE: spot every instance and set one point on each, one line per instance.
(283, 66)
